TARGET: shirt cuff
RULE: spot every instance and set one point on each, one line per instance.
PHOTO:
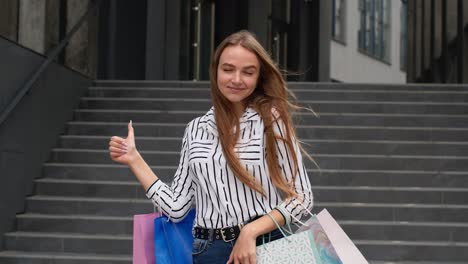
(284, 212)
(152, 189)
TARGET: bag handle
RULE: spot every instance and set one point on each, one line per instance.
(279, 228)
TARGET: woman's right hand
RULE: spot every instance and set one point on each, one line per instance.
(124, 150)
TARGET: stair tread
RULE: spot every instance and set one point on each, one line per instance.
(445, 157)
(72, 216)
(145, 99)
(61, 255)
(412, 243)
(66, 235)
(298, 114)
(351, 90)
(95, 182)
(317, 187)
(405, 142)
(385, 127)
(64, 164)
(86, 199)
(324, 204)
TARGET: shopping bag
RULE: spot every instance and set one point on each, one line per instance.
(344, 247)
(173, 241)
(326, 251)
(143, 238)
(296, 248)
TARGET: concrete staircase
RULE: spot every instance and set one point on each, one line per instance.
(393, 158)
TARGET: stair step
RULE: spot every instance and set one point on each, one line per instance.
(326, 106)
(310, 132)
(445, 252)
(330, 146)
(306, 118)
(68, 242)
(100, 172)
(404, 195)
(358, 194)
(39, 204)
(85, 224)
(325, 161)
(333, 177)
(343, 211)
(316, 94)
(395, 211)
(423, 88)
(105, 189)
(26, 257)
(406, 231)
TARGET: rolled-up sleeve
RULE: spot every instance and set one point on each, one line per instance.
(176, 200)
(297, 206)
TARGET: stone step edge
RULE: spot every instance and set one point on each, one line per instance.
(320, 204)
(73, 217)
(142, 124)
(294, 90)
(411, 243)
(66, 235)
(297, 114)
(145, 99)
(341, 222)
(324, 155)
(315, 187)
(63, 256)
(337, 141)
(97, 165)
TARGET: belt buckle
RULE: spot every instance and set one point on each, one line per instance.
(224, 236)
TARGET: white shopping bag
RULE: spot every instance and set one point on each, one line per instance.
(344, 247)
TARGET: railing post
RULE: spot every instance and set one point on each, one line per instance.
(461, 40)
(444, 42)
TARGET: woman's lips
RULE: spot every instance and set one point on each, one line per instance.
(236, 89)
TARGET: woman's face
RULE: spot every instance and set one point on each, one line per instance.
(238, 72)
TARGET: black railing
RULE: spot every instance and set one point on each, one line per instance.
(93, 6)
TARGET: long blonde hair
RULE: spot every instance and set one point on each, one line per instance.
(271, 94)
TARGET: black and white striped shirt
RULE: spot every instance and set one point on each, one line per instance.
(204, 178)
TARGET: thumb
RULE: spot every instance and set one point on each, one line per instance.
(131, 133)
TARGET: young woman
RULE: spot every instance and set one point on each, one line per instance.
(239, 162)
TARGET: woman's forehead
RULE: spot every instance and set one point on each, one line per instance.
(238, 56)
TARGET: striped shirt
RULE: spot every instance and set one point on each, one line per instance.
(205, 179)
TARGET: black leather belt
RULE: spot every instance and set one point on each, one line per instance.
(226, 234)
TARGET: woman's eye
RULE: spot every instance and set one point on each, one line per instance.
(249, 73)
(227, 70)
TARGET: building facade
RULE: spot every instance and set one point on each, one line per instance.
(389, 41)
(368, 42)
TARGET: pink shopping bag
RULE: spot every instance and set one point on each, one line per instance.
(143, 238)
(344, 247)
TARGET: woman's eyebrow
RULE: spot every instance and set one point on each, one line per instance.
(244, 68)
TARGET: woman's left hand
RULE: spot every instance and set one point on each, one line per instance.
(244, 251)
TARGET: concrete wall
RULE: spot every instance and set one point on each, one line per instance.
(32, 129)
(350, 65)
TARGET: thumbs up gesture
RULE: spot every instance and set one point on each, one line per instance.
(123, 150)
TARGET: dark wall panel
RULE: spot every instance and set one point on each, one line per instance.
(33, 127)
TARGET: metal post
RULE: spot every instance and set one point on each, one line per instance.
(460, 52)
(432, 41)
(423, 42)
(444, 42)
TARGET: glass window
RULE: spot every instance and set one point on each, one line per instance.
(374, 31)
(338, 20)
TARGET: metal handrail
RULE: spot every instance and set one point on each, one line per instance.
(52, 55)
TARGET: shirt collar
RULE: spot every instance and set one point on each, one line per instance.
(248, 118)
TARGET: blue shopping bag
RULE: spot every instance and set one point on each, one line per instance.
(173, 241)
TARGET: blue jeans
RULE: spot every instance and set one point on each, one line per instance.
(218, 251)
